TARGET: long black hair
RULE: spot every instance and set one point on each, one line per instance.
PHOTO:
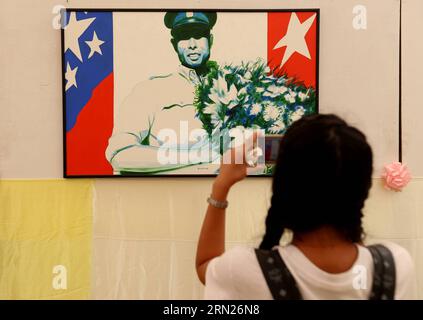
(322, 178)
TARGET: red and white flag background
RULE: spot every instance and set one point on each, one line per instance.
(136, 45)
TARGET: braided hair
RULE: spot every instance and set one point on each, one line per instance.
(322, 178)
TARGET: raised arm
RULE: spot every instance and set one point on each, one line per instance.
(211, 243)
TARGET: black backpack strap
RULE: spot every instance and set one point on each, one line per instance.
(383, 287)
(279, 279)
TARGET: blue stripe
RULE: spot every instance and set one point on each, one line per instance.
(91, 71)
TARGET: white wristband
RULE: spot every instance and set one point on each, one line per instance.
(217, 204)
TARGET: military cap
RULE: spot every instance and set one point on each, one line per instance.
(174, 20)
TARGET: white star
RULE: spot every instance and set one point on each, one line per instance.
(70, 76)
(74, 30)
(294, 39)
(94, 45)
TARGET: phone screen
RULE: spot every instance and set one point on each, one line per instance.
(271, 148)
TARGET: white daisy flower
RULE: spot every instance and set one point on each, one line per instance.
(288, 97)
(292, 93)
(277, 127)
(302, 96)
(248, 75)
(256, 109)
(274, 91)
(271, 113)
(297, 114)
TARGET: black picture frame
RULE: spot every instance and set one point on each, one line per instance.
(177, 176)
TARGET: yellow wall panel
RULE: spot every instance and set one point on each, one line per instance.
(45, 224)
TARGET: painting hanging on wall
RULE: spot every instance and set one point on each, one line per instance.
(155, 92)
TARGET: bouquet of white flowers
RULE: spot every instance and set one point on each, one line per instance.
(251, 96)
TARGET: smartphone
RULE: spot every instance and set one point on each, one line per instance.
(272, 143)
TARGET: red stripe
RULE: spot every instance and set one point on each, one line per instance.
(88, 139)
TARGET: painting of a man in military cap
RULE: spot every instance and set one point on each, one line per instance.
(179, 94)
(161, 92)
(165, 102)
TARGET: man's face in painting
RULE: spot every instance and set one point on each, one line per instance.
(192, 44)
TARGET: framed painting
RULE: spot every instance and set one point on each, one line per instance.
(159, 92)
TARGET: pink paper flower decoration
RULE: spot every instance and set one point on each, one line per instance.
(396, 176)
